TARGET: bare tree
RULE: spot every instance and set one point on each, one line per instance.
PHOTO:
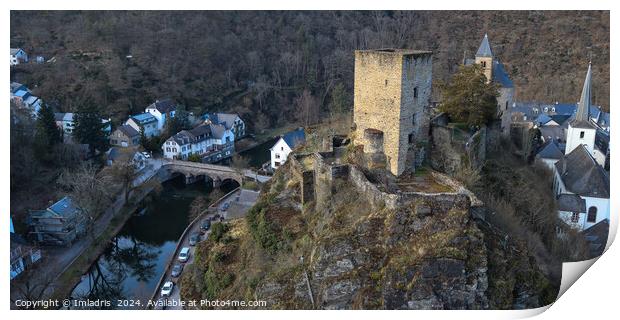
(89, 191)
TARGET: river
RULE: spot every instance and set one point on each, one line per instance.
(132, 264)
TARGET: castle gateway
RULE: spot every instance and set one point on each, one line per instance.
(392, 95)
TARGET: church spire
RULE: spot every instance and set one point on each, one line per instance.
(583, 111)
(485, 48)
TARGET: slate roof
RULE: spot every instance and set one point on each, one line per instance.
(601, 141)
(14, 51)
(556, 133)
(485, 48)
(582, 175)
(596, 236)
(58, 116)
(582, 115)
(144, 118)
(500, 76)
(550, 150)
(163, 106)
(227, 119)
(571, 203)
(542, 119)
(218, 130)
(294, 138)
(64, 207)
(16, 86)
(528, 108)
(560, 118)
(129, 131)
(21, 93)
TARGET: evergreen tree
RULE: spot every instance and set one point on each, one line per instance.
(469, 98)
(47, 134)
(89, 128)
(179, 122)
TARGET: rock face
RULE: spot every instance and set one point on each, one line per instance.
(420, 252)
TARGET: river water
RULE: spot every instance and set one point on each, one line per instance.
(132, 264)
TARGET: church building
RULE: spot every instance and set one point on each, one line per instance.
(495, 72)
(580, 183)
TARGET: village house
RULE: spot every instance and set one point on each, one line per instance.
(145, 121)
(60, 224)
(284, 146)
(212, 142)
(18, 56)
(128, 155)
(23, 254)
(231, 121)
(578, 174)
(162, 110)
(64, 121)
(23, 98)
(125, 136)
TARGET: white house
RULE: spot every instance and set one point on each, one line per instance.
(549, 154)
(64, 121)
(211, 142)
(284, 146)
(231, 121)
(145, 121)
(162, 110)
(18, 56)
(578, 174)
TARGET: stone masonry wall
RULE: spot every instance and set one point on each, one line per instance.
(384, 98)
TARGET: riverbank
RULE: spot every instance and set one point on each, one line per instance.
(72, 275)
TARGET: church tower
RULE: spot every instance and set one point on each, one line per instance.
(484, 57)
(580, 129)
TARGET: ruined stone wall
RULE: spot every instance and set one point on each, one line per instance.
(384, 98)
(504, 103)
(444, 156)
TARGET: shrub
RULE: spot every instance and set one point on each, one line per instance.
(218, 230)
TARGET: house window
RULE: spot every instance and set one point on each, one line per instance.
(581, 134)
(281, 148)
(415, 92)
(484, 64)
(592, 214)
(277, 156)
(575, 217)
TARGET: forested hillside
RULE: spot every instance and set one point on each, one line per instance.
(279, 67)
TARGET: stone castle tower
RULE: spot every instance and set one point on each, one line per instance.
(392, 95)
(484, 57)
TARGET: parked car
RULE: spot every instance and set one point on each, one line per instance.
(176, 270)
(194, 238)
(184, 254)
(216, 217)
(205, 225)
(166, 290)
(226, 206)
(146, 154)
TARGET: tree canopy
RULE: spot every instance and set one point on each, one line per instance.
(89, 128)
(468, 98)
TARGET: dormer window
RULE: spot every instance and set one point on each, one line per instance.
(582, 134)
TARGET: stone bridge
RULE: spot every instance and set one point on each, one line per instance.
(195, 171)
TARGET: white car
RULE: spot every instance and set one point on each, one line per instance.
(146, 154)
(166, 290)
(184, 254)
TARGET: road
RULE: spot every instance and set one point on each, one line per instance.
(57, 259)
(234, 205)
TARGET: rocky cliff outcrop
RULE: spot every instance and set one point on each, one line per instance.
(427, 253)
